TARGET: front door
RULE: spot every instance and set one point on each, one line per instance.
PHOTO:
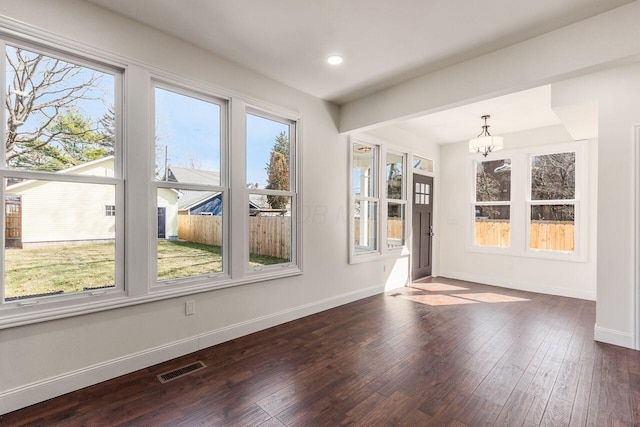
(422, 225)
(162, 215)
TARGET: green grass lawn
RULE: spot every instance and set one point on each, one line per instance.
(73, 268)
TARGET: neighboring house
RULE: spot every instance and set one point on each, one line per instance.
(82, 213)
(200, 202)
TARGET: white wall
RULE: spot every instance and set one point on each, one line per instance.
(567, 278)
(168, 199)
(617, 93)
(45, 359)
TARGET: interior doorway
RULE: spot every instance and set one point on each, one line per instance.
(422, 226)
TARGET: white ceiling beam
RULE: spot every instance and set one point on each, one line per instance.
(605, 40)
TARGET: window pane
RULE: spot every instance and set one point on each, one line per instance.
(59, 237)
(365, 230)
(552, 227)
(493, 181)
(423, 164)
(553, 176)
(59, 115)
(394, 176)
(395, 225)
(187, 139)
(268, 146)
(270, 231)
(492, 226)
(363, 170)
(189, 233)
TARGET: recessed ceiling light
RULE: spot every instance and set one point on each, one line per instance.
(334, 60)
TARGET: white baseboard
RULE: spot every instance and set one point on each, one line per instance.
(611, 336)
(39, 391)
(522, 285)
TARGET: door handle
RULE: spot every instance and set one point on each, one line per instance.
(431, 233)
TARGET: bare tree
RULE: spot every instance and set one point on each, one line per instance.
(41, 89)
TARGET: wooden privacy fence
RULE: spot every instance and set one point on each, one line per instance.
(395, 230)
(550, 235)
(205, 229)
(494, 232)
(268, 235)
(553, 235)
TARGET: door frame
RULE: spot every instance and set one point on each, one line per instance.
(435, 270)
(164, 226)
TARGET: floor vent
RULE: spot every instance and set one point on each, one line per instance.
(180, 372)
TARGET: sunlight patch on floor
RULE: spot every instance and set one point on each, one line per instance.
(491, 297)
(437, 287)
(436, 300)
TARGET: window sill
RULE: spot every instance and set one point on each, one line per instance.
(373, 256)
(54, 310)
(531, 253)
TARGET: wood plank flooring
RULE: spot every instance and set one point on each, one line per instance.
(442, 352)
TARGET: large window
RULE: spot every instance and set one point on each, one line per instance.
(492, 207)
(62, 177)
(271, 189)
(192, 163)
(190, 182)
(531, 203)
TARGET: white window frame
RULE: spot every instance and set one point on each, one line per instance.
(374, 198)
(136, 228)
(579, 203)
(402, 201)
(10, 310)
(380, 197)
(475, 203)
(201, 94)
(520, 211)
(293, 192)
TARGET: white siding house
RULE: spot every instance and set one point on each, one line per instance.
(82, 213)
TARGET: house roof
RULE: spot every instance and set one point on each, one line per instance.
(24, 185)
(190, 198)
(193, 176)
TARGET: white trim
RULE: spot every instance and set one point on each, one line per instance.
(520, 202)
(611, 336)
(39, 391)
(522, 285)
(635, 231)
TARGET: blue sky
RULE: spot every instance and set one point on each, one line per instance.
(261, 135)
(101, 96)
(188, 128)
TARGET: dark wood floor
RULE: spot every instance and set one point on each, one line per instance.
(441, 353)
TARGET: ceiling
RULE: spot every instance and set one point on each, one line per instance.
(515, 112)
(383, 42)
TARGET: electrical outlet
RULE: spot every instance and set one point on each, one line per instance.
(189, 308)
